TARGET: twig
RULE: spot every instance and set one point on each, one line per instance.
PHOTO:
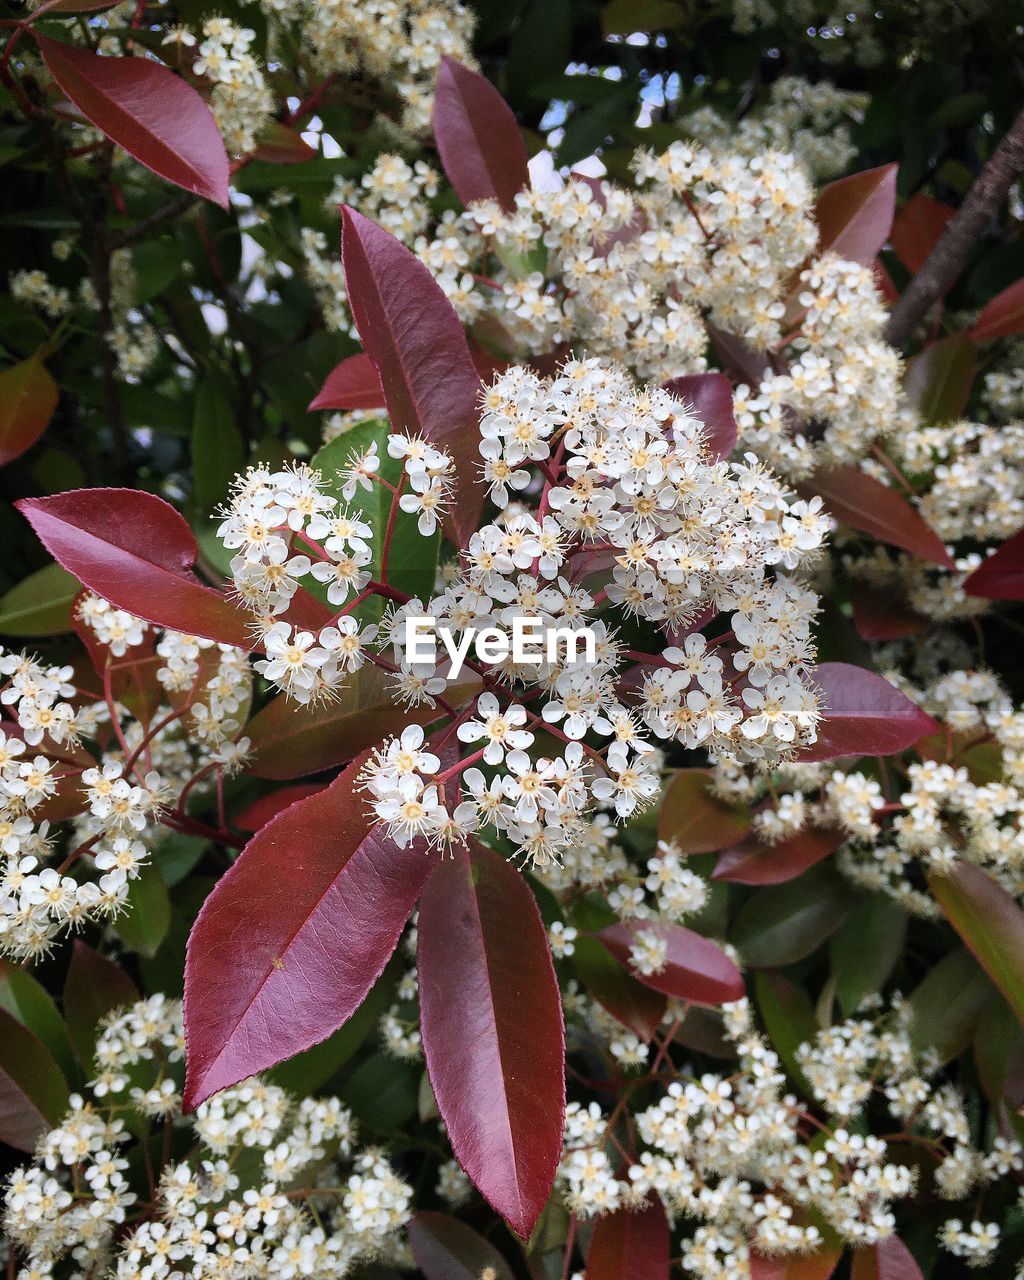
(949, 257)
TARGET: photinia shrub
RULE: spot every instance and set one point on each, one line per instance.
(559, 814)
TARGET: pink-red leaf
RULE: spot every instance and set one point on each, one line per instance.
(149, 111)
(754, 863)
(136, 551)
(481, 148)
(353, 384)
(630, 1244)
(855, 214)
(917, 228)
(709, 395)
(865, 504)
(695, 819)
(446, 1249)
(890, 1259)
(882, 613)
(1001, 576)
(259, 813)
(491, 1020)
(294, 935)
(939, 379)
(28, 398)
(419, 349)
(1003, 316)
(991, 924)
(804, 1266)
(863, 715)
(695, 968)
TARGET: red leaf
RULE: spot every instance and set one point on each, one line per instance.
(743, 362)
(135, 550)
(294, 935)
(1001, 576)
(1003, 316)
(446, 1249)
(890, 1259)
(279, 144)
(695, 819)
(863, 715)
(855, 214)
(613, 986)
(807, 1266)
(938, 380)
(259, 813)
(415, 340)
(755, 863)
(884, 283)
(149, 111)
(710, 397)
(881, 613)
(481, 148)
(491, 1019)
(630, 1244)
(916, 229)
(353, 384)
(28, 398)
(864, 503)
(695, 969)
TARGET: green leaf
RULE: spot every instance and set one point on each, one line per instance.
(33, 1093)
(789, 1020)
(938, 381)
(866, 949)
(94, 985)
(157, 264)
(990, 922)
(176, 855)
(39, 605)
(383, 1092)
(218, 452)
(624, 17)
(784, 923)
(143, 924)
(946, 1006)
(28, 1000)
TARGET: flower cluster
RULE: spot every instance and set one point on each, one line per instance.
(85, 780)
(256, 1184)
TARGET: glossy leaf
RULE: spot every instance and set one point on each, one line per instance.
(491, 1020)
(70, 6)
(917, 228)
(890, 1259)
(789, 1020)
(33, 1093)
(863, 714)
(754, 863)
(695, 968)
(947, 1005)
(144, 924)
(446, 1249)
(630, 1244)
(149, 111)
(697, 820)
(26, 999)
(259, 813)
(94, 985)
(939, 379)
(353, 384)
(289, 741)
(1003, 316)
(1001, 576)
(709, 395)
(855, 214)
(136, 551)
(280, 144)
(819, 1265)
(417, 344)
(477, 136)
(856, 499)
(294, 935)
(866, 949)
(28, 398)
(783, 923)
(607, 979)
(40, 605)
(990, 923)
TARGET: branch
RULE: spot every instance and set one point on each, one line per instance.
(172, 209)
(949, 257)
